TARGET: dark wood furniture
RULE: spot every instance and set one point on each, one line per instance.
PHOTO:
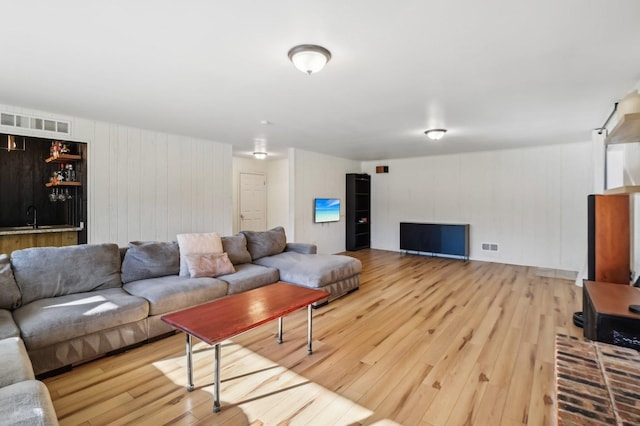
(435, 238)
(358, 211)
(606, 313)
(609, 239)
(224, 318)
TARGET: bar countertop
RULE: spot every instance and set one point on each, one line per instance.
(19, 230)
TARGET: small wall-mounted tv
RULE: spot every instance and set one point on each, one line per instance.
(326, 210)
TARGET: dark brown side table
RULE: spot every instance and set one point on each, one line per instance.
(606, 313)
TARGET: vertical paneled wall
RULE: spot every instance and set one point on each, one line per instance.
(278, 193)
(532, 202)
(145, 185)
(153, 186)
(319, 176)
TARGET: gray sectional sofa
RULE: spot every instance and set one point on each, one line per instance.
(72, 304)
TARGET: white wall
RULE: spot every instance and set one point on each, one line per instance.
(278, 193)
(530, 201)
(318, 176)
(632, 177)
(145, 185)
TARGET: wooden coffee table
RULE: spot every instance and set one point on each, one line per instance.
(224, 318)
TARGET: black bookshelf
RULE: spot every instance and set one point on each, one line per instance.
(358, 209)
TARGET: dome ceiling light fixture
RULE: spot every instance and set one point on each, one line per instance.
(309, 58)
(435, 134)
(260, 155)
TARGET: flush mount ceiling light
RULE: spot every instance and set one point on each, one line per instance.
(309, 58)
(259, 155)
(435, 134)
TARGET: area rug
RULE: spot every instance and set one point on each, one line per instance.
(596, 383)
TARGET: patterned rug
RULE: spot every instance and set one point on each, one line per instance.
(596, 383)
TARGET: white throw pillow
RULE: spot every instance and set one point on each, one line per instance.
(197, 243)
(209, 265)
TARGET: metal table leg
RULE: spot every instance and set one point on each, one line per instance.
(216, 385)
(280, 330)
(190, 385)
(309, 327)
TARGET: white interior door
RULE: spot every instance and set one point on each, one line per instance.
(253, 202)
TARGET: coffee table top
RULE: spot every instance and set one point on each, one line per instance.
(229, 316)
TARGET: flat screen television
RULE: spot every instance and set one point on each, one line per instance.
(326, 210)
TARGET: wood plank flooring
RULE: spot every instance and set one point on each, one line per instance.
(425, 341)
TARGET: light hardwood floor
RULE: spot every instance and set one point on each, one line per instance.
(425, 341)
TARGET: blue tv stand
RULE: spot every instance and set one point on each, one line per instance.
(435, 239)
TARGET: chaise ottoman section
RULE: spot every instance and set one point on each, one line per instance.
(336, 274)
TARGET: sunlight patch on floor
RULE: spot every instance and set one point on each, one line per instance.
(263, 390)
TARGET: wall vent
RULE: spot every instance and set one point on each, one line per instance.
(19, 121)
(489, 247)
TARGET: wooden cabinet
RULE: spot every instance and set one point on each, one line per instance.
(358, 211)
(609, 239)
(11, 242)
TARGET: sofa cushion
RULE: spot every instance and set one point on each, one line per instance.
(303, 248)
(312, 270)
(56, 319)
(27, 403)
(15, 366)
(150, 259)
(9, 291)
(43, 272)
(171, 293)
(249, 276)
(267, 243)
(209, 265)
(8, 327)
(236, 247)
(197, 243)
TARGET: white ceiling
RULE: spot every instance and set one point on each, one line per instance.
(495, 73)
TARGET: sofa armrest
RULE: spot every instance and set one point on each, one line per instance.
(302, 248)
